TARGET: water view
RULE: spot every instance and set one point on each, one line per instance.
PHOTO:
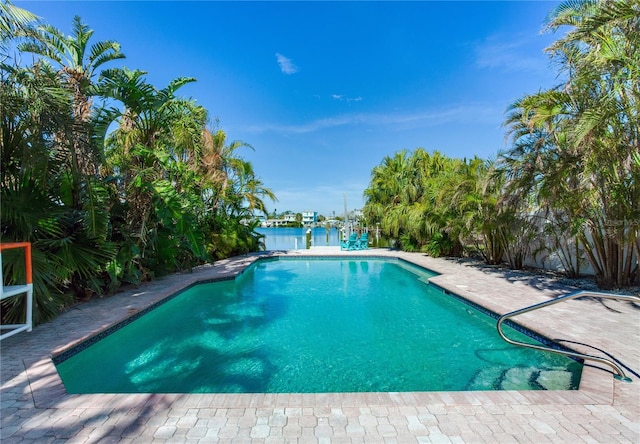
(282, 238)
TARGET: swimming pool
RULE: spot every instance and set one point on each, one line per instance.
(312, 326)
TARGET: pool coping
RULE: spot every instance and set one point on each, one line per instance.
(46, 391)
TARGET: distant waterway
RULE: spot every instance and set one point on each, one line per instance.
(282, 238)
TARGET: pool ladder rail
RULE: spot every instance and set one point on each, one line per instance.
(620, 375)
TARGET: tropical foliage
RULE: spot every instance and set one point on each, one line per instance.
(573, 146)
(436, 204)
(112, 179)
(569, 185)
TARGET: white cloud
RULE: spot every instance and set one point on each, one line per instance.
(512, 54)
(476, 113)
(308, 127)
(286, 65)
(343, 98)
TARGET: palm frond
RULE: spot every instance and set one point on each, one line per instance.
(103, 52)
(15, 21)
(176, 84)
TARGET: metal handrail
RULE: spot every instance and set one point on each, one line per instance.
(620, 373)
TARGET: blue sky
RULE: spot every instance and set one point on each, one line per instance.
(323, 91)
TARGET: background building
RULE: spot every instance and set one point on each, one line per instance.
(309, 217)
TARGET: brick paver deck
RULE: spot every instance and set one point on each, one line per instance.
(36, 407)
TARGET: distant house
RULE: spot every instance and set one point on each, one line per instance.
(309, 217)
(290, 217)
(269, 223)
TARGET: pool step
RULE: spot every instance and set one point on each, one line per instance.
(553, 379)
(521, 378)
(487, 379)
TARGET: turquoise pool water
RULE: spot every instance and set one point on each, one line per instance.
(313, 325)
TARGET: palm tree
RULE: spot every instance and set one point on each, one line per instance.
(471, 194)
(152, 157)
(218, 166)
(34, 196)
(403, 197)
(164, 177)
(574, 145)
(232, 193)
(437, 215)
(246, 192)
(77, 62)
(384, 194)
(137, 149)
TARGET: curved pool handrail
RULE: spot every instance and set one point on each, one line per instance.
(619, 372)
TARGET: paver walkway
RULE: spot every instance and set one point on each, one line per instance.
(36, 408)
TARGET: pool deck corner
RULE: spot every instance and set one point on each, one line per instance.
(35, 407)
